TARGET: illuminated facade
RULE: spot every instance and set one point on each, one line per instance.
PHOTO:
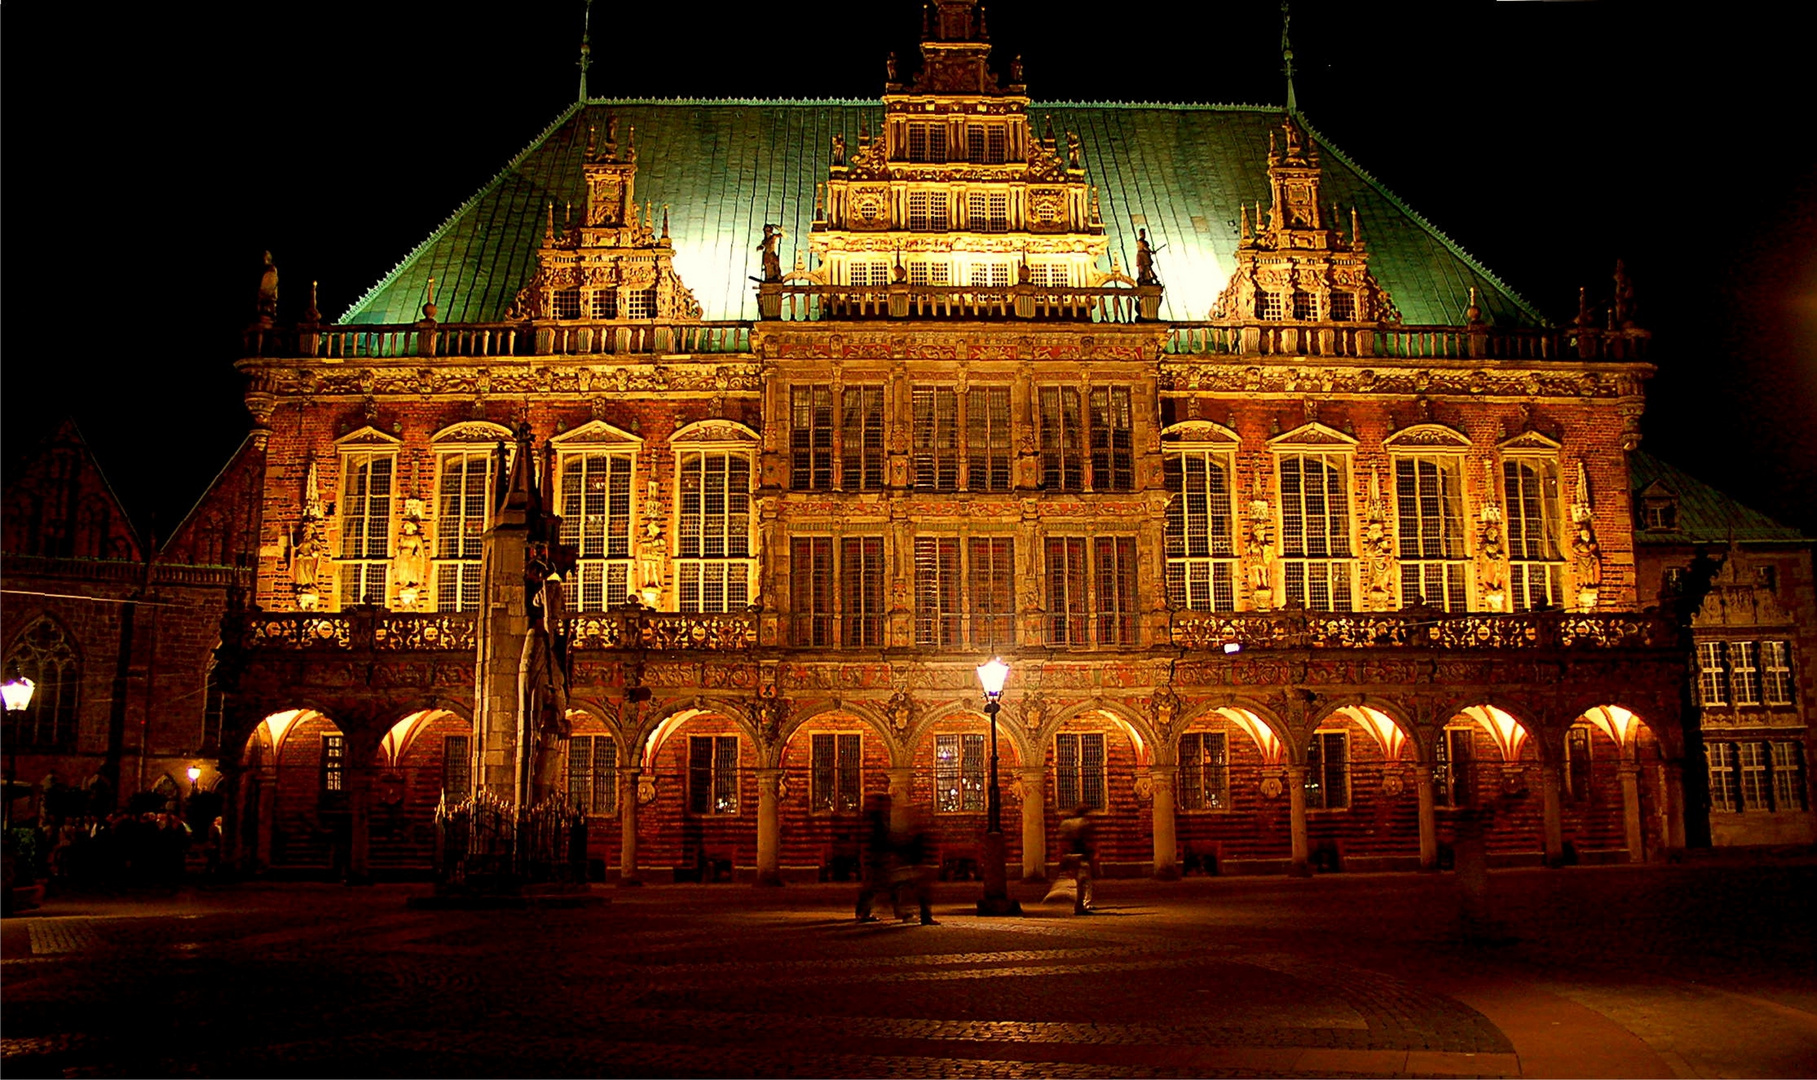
(1301, 532)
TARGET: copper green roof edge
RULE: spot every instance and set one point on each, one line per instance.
(441, 230)
(1706, 515)
(1423, 222)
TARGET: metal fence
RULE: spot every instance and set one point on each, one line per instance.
(488, 844)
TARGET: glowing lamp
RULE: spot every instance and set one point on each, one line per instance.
(1232, 647)
(17, 693)
(195, 773)
(991, 676)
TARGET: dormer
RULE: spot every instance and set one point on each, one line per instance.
(1295, 263)
(613, 262)
(1656, 507)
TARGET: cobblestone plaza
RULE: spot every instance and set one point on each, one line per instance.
(1628, 971)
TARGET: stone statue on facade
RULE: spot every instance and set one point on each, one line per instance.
(771, 248)
(1145, 260)
(268, 293)
(305, 557)
(838, 149)
(410, 563)
(542, 678)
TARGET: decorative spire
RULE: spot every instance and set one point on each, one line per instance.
(586, 50)
(1293, 104)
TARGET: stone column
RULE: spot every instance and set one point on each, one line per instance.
(359, 815)
(769, 826)
(1673, 804)
(1167, 846)
(627, 827)
(1422, 787)
(267, 820)
(1554, 825)
(1296, 820)
(901, 797)
(1630, 811)
(1034, 823)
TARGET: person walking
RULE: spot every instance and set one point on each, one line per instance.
(879, 854)
(1077, 840)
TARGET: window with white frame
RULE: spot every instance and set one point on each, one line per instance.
(604, 304)
(1315, 529)
(1343, 305)
(1712, 672)
(1725, 785)
(1201, 561)
(596, 522)
(366, 501)
(988, 448)
(929, 272)
(639, 303)
(334, 765)
(1204, 776)
(463, 493)
(1429, 498)
(1271, 306)
(987, 211)
(868, 272)
(990, 275)
(836, 782)
(1535, 569)
(714, 561)
(1744, 672)
(1079, 771)
(1787, 762)
(927, 211)
(567, 303)
(1048, 275)
(1328, 771)
(713, 774)
(1776, 671)
(1751, 762)
(927, 141)
(593, 774)
(958, 773)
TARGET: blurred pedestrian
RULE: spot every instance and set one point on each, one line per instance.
(879, 854)
(913, 876)
(1076, 838)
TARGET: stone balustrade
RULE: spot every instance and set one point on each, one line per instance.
(1415, 629)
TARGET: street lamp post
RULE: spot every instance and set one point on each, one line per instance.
(16, 694)
(996, 899)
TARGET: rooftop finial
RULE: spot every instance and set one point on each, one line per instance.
(1293, 104)
(586, 49)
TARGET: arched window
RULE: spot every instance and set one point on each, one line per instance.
(44, 655)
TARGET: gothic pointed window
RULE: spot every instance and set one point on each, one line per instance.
(44, 655)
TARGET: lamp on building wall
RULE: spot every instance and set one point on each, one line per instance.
(996, 900)
(194, 774)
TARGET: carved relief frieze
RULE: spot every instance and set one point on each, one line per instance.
(1180, 375)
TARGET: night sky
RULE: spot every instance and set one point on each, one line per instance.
(154, 152)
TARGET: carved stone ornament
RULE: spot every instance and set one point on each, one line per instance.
(1394, 785)
(646, 790)
(1163, 709)
(1272, 787)
(900, 709)
(1145, 787)
(1034, 713)
(772, 710)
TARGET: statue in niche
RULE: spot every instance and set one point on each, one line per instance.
(306, 555)
(410, 564)
(771, 246)
(542, 672)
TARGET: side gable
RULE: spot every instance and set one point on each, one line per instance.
(59, 505)
(222, 528)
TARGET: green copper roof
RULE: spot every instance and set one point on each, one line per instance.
(724, 168)
(1705, 515)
